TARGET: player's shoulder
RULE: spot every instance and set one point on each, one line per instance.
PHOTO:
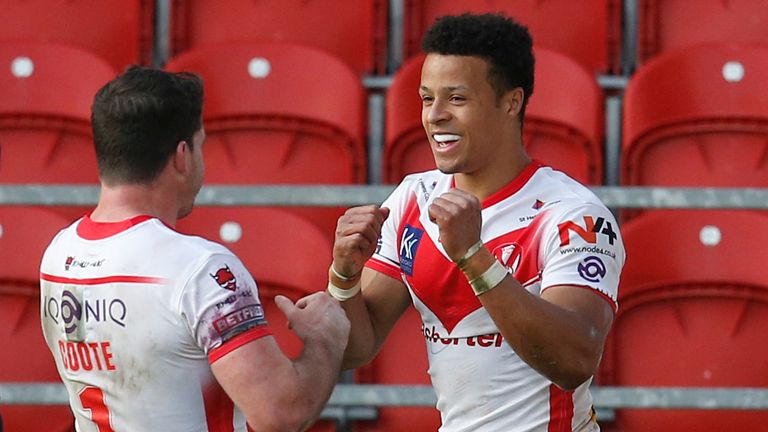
(561, 193)
(192, 244)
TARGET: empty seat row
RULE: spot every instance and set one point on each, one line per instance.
(123, 32)
(298, 114)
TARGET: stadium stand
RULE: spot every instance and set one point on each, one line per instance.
(119, 31)
(589, 31)
(666, 25)
(45, 134)
(563, 123)
(24, 234)
(692, 313)
(278, 113)
(281, 261)
(697, 116)
(354, 31)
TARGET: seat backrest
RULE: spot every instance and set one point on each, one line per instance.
(666, 25)
(119, 31)
(693, 304)
(563, 121)
(45, 131)
(24, 235)
(588, 31)
(279, 113)
(696, 117)
(353, 31)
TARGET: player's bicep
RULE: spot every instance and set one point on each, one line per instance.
(593, 308)
(252, 373)
(386, 299)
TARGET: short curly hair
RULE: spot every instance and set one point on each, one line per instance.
(505, 44)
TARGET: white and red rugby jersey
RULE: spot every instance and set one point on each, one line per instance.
(134, 313)
(548, 230)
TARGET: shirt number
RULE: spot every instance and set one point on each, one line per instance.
(92, 399)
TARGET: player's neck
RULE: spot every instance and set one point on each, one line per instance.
(492, 178)
(121, 202)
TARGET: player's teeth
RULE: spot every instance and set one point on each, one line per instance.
(445, 137)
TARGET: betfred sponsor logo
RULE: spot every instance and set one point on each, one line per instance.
(235, 319)
(588, 231)
(483, 341)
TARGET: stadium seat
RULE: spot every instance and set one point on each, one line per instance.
(563, 121)
(280, 114)
(285, 254)
(693, 309)
(354, 31)
(697, 117)
(588, 31)
(119, 31)
(667, 25)
(45, 134)
(24, 235)
(402, 360)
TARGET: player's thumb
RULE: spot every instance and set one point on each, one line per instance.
(285, 305)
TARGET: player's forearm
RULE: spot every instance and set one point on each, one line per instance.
(317, 370)
(558, 343)
(361, 346)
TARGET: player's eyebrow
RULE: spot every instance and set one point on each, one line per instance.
(449, 88)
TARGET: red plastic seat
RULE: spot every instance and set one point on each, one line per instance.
(119, 31)
(354, 31)
(666, 25)
(589, 31)
(280, 114)
(45, 134)
(693, 309)
(697, 117)
(24, 235)
(401, 361)
(563, 121)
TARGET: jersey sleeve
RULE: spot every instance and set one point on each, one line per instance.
(221, 306)
(582, 246)
(386, 258)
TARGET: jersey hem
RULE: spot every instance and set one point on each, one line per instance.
(614, 305)
(381, 267)
(238, 341)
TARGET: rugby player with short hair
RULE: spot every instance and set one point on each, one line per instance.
(152, 330)
(512, 265)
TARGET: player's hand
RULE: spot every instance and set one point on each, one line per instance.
(317, 317)
(457, 215)
(357, 233)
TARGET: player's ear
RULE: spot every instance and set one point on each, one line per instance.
(181, 158)
(513, 101)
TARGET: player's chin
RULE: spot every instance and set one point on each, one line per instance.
(184, 211)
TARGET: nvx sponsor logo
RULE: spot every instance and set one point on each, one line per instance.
(71, 311)
(588, 233)
(409, 244)
(72, 261)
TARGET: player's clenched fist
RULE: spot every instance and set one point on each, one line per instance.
(357, 232)
(317, 317)
(457, 215)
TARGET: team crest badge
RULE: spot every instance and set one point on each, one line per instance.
(509, 255)
(225, 278)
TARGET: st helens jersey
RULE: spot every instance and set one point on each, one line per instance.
(548, 230)
(134, 313)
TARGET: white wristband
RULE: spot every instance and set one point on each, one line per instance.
(461, 262)
(343, 294)
(490, 279)
(341, 276)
